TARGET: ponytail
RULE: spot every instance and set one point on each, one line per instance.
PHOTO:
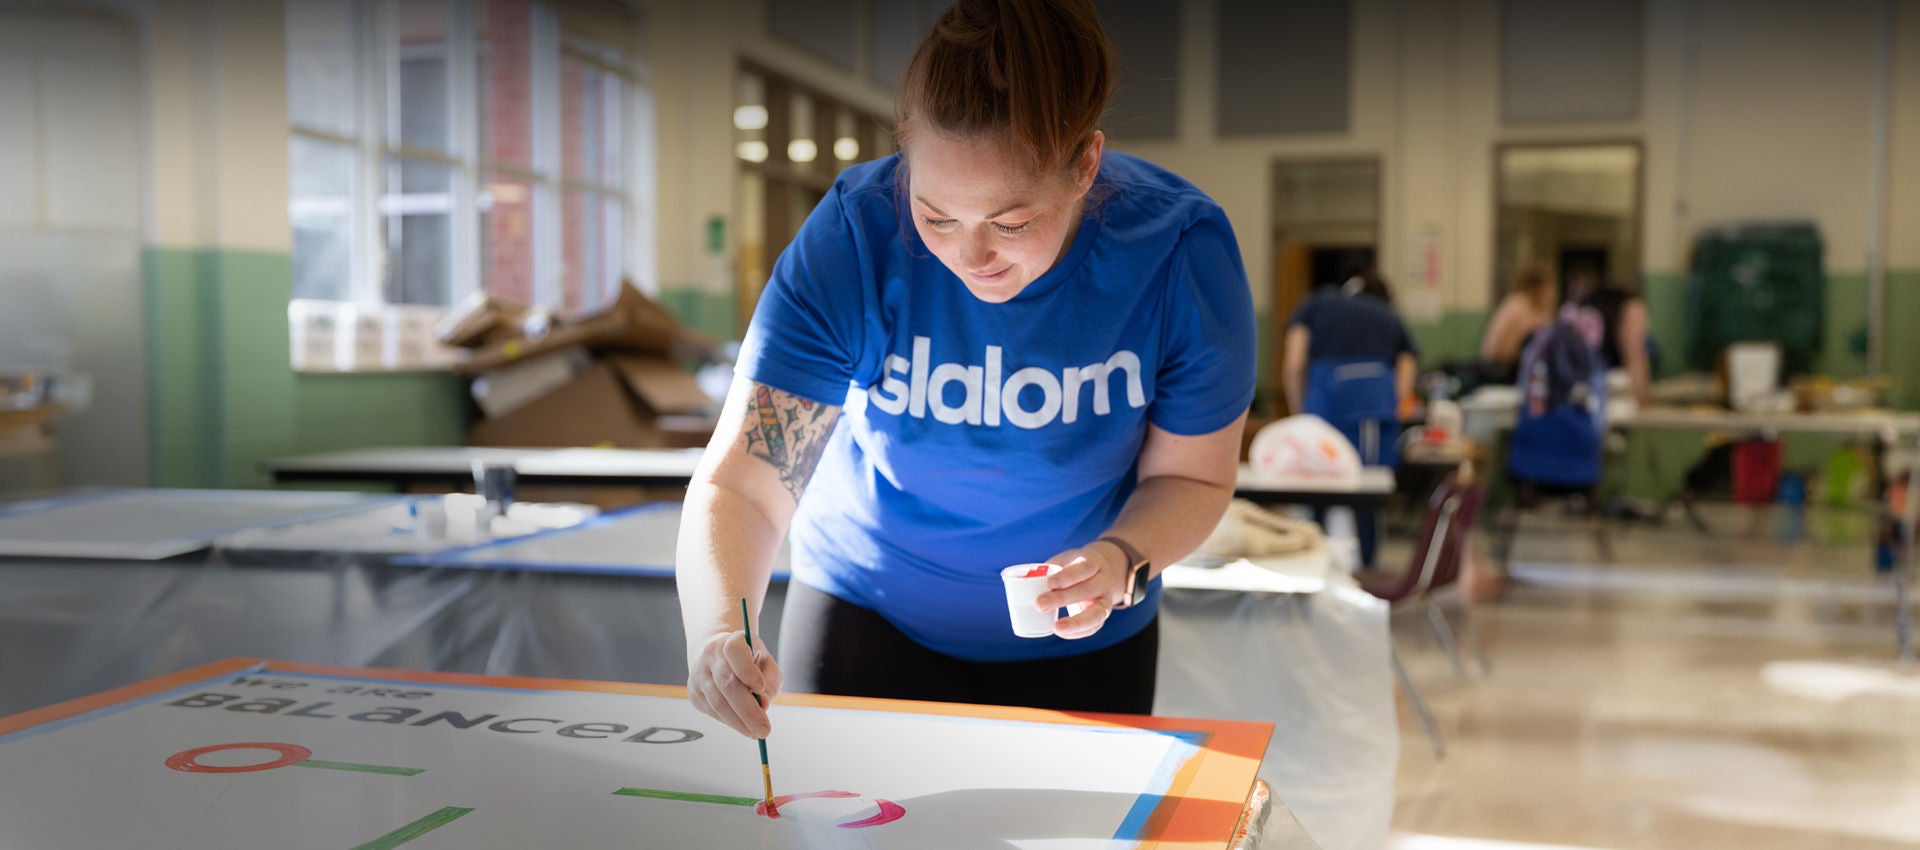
(1038, 73)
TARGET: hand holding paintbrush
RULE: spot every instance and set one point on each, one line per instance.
(766, 770)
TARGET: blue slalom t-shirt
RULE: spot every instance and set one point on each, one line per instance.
(975, 436)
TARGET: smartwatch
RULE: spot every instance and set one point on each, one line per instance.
(1139, 572)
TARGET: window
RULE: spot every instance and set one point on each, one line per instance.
(440, 148)
(790, 141)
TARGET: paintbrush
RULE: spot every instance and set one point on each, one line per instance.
(766, 770)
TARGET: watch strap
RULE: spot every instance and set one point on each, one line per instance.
(1139, 571)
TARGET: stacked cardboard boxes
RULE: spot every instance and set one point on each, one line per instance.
(613, 378)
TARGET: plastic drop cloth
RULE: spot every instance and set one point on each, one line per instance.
(1314, 665)
(73, 628)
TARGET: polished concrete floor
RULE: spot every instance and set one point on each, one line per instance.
(1700, 691)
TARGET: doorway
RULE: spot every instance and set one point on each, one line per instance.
(1326, 228)
(1565, 208)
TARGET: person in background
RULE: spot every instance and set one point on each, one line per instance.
(1349, 360)
(1622, 319)
(1523, 312)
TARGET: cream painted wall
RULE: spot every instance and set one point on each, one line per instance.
(1237, 172)
(218, 126)
(1781, 111)
(1747, 111)
(180, 215)
(1903, 220)
(252, 128)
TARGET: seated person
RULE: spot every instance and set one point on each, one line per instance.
(1623, 323)
(1524, 311)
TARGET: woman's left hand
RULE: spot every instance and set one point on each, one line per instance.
(1091, 581)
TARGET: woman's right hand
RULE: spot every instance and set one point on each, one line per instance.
(723, 677)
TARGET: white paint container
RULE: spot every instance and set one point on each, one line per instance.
(430, 519)
(1023, 593)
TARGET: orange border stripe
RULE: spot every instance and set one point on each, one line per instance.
(126, 693)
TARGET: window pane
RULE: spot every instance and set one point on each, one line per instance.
(613, 111)
(506, 81)
(417, 108)
(506, 236)
(321, 89)
(320, 205)
(583, 232)
(416, 213)
(750, 117)
(613, 251)
(579, 120)
(803, 145)
(590, 131)
(847, 148)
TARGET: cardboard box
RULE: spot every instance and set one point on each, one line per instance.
(510, 387)
(634, 323)
(620, 401)
(480, 320)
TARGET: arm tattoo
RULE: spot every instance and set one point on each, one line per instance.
(790, 433)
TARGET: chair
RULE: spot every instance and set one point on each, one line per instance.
(1526, 495)
(1437, 556)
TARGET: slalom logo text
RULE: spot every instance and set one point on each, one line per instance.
(915, 387)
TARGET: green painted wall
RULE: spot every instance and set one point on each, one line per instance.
(1656, 461)
(183, 359)
(713, 315)
(1843, 344)
(1455, 337)
(1900, 344)
(223, 395)
(1666, 297)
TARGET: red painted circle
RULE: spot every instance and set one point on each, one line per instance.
(188, 761)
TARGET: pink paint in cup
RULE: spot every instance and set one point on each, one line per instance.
(1025, 583)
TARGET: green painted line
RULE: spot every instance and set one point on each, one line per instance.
(686, 797)
(362, 768)
(414, 830)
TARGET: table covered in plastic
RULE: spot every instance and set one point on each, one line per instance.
(1312, 658)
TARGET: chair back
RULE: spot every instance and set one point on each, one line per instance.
(1453, 542)
(1442, 524)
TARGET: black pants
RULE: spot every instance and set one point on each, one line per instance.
(831, 646)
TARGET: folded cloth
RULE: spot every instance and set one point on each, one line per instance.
(1248, 530)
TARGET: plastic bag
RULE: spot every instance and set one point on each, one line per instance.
(1304, 446)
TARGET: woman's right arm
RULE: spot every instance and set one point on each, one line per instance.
(739, 502)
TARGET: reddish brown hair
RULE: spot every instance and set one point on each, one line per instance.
(1035, 72)
(1534, 283)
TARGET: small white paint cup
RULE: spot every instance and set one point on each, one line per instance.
(1025, 583)
(430, 519)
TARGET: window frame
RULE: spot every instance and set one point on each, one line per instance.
(375, 53)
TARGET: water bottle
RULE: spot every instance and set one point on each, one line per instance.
(1792, 497)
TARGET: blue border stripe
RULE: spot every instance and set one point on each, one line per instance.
(31, 506)
(343, 505)
(445, 557)
(1135, 822)
(473, 557)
